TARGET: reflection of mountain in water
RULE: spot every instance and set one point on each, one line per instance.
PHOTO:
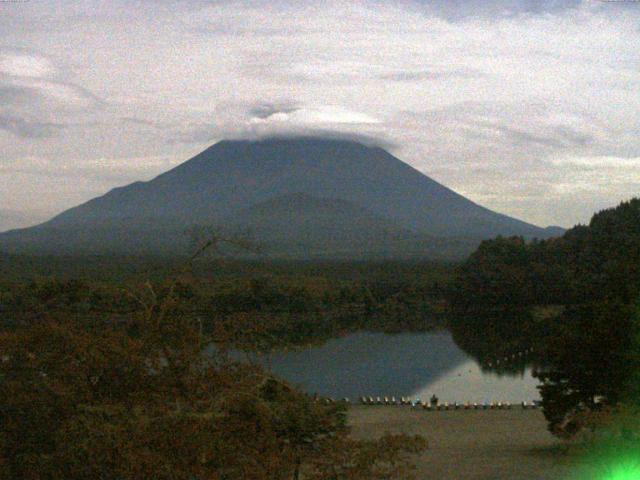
(370, 364)
(468, 383)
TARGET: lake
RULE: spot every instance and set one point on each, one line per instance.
(406, 364)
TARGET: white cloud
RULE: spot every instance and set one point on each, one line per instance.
(24, 65)
(508, 109)
(601, 162)
(316, 116)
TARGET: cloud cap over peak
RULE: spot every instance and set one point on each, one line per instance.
(508, 102)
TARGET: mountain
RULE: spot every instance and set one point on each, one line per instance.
(553, 231)
(320, 222)
(14, 219)
(310, 194)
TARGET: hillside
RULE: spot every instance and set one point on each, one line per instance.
(324, 194)
(10, 219)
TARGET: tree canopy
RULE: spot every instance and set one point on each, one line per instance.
(142, 395)
(575, 298)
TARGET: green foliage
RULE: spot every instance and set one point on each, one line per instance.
(496, 274)
(632, 391)
(145, 398)
(298, 304)
(492, 334)
(586, 363)
(588, 280)
(588, 264)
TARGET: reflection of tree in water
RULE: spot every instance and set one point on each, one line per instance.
(370, 364)
(500, 339)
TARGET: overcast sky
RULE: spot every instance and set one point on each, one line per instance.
(530, 108)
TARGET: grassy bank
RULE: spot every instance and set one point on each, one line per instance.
(471, 445)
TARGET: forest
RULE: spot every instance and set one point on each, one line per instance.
(107, 372)
(261, 306)
(107, 369)
(574, 299)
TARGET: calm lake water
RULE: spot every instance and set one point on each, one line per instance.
(407, 364)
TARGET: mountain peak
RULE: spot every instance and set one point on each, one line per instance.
(304, 141)
(320, 175)
(287, 145)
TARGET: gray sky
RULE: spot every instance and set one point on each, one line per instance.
(530, 108)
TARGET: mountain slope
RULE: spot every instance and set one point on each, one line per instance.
(11, 219)
(301, 218)
(229, 179)
(299, 225)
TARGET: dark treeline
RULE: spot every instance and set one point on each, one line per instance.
(574, 299)
(599, 261)
(118, 382)
(260, 305)
(107, 370)
(114, 268)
